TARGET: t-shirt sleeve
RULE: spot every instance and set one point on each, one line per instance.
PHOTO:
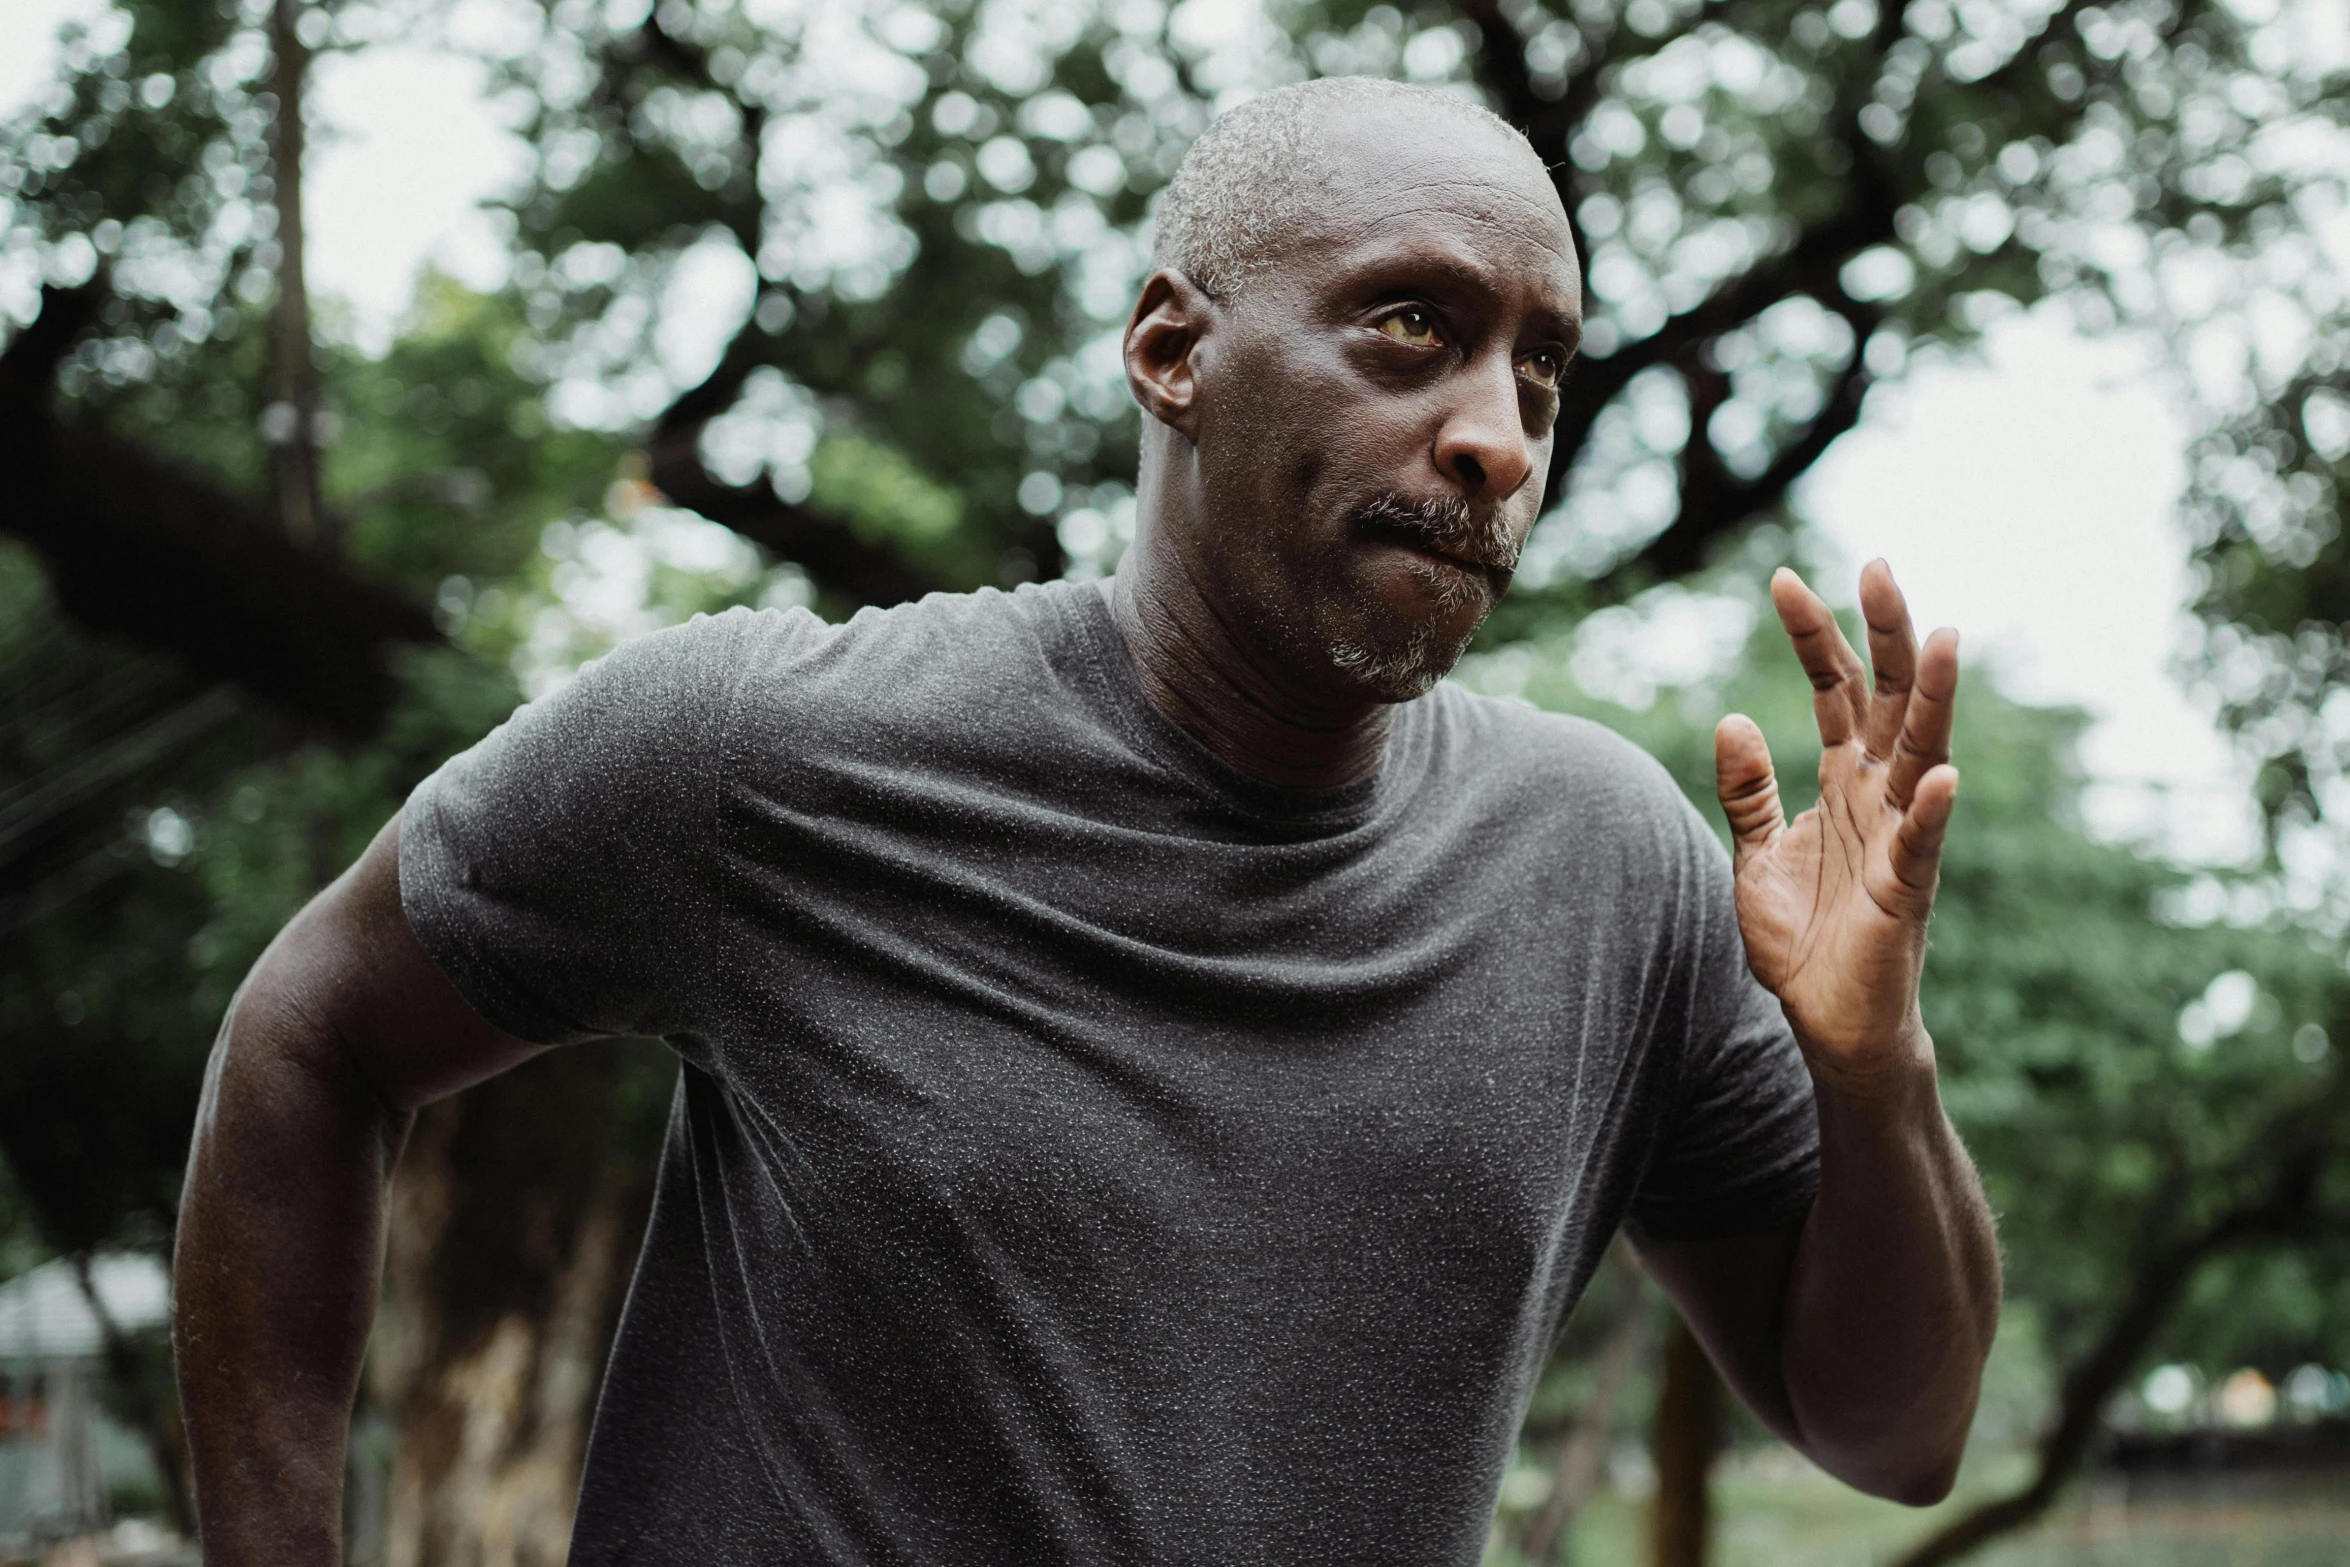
(557, 872)
(1738, 1150)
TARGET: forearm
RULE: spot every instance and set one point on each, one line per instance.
(278, 1261)
(1894, 1293)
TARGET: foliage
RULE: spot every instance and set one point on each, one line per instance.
(2276, 582)
(2119, 1073)
(1776, 201)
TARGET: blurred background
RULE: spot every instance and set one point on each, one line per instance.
(369, 364)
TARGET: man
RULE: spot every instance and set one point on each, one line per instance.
(1158, 1069)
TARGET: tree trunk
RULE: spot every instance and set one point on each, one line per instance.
(1688, 1434)
(513, 1233)
(291, 423)
(141, 1378)
(1576, 1469)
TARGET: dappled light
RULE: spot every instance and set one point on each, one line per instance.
(621, 315)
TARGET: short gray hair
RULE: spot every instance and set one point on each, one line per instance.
(1241, 188)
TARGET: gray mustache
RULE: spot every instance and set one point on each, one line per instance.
(1446, 523)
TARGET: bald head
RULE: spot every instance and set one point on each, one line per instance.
(1283, 167)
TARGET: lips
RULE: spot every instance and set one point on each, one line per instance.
(1445, 530)
(1445, 556)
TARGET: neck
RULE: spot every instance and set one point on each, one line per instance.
(1235, 698)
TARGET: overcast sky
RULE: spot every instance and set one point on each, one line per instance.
(2026, 499)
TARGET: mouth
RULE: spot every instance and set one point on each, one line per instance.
(1448, 573)
(1443, 535)
(1455, 559)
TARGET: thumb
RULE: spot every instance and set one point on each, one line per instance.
(1748, 788)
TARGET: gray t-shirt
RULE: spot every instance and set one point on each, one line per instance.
(1085, 1153)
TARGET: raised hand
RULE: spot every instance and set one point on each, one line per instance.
(1833, 905)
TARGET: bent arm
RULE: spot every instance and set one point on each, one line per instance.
(343, 1028)
(1861, 1337)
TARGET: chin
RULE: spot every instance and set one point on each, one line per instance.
(1399, 671)
(1408, 630)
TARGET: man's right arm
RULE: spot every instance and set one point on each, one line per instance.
(341, 1031)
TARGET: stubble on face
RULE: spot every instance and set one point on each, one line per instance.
(1397, 661)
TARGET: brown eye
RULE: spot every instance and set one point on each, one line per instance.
(1544, 367)
(1412, 325)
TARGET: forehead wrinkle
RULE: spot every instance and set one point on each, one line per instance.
(1448, 219)
(1558, 245)
(1427, 187)
(1447, 170)
(1338, 265)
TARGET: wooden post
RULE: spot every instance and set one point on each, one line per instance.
(1582, 1451)
(1687, 1435)
(291, 423)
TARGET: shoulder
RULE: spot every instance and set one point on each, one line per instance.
(1557, 761)
(1580, 802)
(697, 665)
(937, 660)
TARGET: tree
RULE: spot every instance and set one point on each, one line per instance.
(1777, 202)
(2266, 508)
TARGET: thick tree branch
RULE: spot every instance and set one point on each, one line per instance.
(835, 557)
(690, 62)
(1713, 501)
(168, 560)
(2286, 1208)
(1809, 266)
(294, 371)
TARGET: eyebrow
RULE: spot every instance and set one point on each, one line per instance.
(1467, 275)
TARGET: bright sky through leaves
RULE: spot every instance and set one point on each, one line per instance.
(2025, 498)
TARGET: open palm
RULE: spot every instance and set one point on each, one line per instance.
(1833, 905)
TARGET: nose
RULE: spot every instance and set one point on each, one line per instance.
(1482, 445)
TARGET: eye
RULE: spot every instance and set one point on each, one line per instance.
(1413, 324)
(1544, 367)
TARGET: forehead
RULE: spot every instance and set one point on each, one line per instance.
(1432, 189)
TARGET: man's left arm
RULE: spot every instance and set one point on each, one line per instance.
(1861, 1336)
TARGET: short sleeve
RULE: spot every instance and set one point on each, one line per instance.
(1738, 1150)
(557, 871)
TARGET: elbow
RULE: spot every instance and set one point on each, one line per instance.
(1919, 1477)
(1924, 1486)
(1911, 1457)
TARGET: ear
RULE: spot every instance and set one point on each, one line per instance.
(1169, 320)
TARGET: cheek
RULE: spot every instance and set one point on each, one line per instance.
(1340, 446)
(1298, 439)
(1377, 438)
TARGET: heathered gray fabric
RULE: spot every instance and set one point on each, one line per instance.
(1085, 1154)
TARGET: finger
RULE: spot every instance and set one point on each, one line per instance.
(1893, 656)
(1917, 842)
(1749, 789)
(1838, 683)
(1925, 732)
